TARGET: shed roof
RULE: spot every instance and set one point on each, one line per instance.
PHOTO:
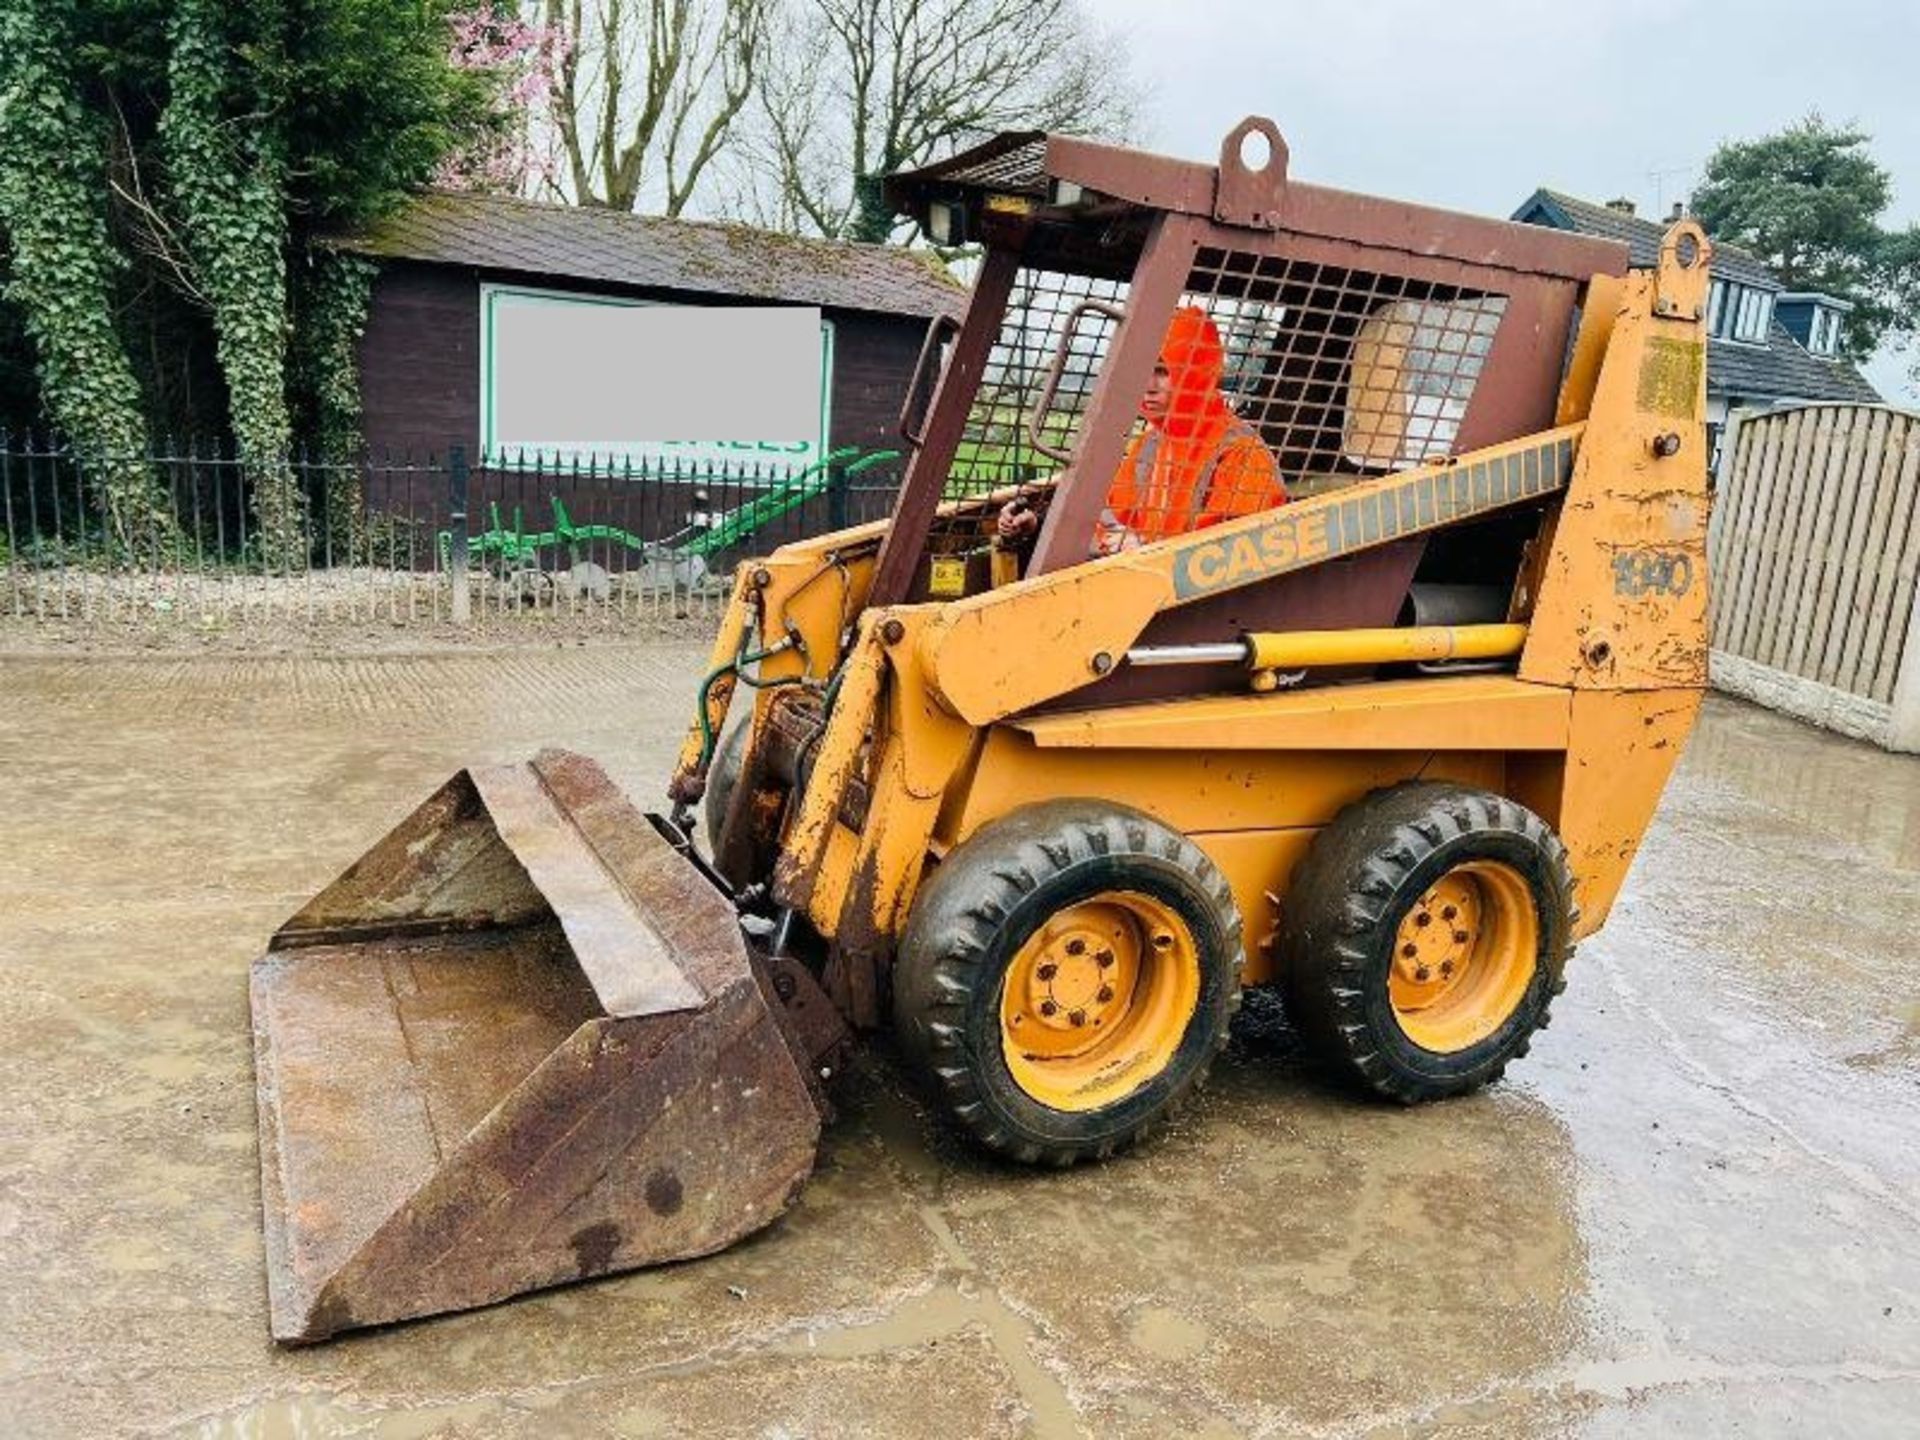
(528, 238)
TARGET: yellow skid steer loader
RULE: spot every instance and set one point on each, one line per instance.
(1286, 588)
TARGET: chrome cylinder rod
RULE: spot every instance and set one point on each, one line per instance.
(1234, 653)
(1306, 649)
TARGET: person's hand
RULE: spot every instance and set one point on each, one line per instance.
(1016, 521)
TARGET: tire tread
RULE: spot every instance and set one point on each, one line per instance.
(1345, 889)
(947, 951)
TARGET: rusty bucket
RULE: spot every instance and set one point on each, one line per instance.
(519, 1042)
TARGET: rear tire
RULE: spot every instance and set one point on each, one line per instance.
(1066, 979)
(1424, 937)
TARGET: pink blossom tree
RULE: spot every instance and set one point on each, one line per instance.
(521, 153)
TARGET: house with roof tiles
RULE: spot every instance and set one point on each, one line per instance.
(1766, 345)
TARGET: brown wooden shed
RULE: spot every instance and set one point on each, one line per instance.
(448, 257)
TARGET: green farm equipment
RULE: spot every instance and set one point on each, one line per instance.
(684, 553)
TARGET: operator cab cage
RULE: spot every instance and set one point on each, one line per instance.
(1361, 336)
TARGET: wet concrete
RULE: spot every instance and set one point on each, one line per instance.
(1694, 1210)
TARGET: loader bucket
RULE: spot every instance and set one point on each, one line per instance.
(520, 1042)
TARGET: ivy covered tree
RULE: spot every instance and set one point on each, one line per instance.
(165, 161)
(61, 268)
(277, 121)
(226, 148)
(330, 302)
(17, 384)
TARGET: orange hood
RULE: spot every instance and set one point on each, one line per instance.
(1195, 361)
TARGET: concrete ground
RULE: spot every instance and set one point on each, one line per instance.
(1694, 1210)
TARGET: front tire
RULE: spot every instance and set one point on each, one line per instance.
(1066, 979)
(1424, 937)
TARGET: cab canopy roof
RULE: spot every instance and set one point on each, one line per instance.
(1044, 194)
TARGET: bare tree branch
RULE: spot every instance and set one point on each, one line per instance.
(858, 88)
(651, 93)
(149, 230)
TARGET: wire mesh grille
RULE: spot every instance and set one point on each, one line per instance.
(1281, 378)
(1344, 372)
(997, 452)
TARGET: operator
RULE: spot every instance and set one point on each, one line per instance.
(1194, 464)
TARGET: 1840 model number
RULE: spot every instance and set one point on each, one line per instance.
(1638, 573)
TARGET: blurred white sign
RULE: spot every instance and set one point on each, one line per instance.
(571, 378)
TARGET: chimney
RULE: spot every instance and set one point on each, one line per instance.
(1679, 212)
(1621, 204)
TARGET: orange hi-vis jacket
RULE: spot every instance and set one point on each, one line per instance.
(1197, 464)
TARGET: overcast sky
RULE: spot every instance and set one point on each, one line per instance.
(1474, 103)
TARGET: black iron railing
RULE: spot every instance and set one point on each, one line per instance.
(183, 531)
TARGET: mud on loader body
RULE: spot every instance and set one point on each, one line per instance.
(1389, 746)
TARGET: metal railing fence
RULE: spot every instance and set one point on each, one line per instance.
(399, 539)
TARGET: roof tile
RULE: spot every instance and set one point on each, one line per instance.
(1782, 370)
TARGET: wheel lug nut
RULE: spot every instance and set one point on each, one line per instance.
(1409, 950)
(1076, 946)
(1078, 1017)
(1106, 994)
(1446, 967)
(1104, 959)
(1447, 912)
(1423, 918)
(1048, 971)
(1047, 1007)
(1460, 937)
(1423, 973)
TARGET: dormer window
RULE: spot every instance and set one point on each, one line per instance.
(1739, 312)
(1818, 321)
(1823, 335)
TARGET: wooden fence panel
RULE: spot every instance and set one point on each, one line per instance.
(1818, 616)
(1732, 555)
(1775, 527)
(1815, 548)
(1899, 561)
(1871, 510)
(1798, 615)
(1897, 481)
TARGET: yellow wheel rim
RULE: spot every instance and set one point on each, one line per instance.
(1463, 956)
(1098, 999)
